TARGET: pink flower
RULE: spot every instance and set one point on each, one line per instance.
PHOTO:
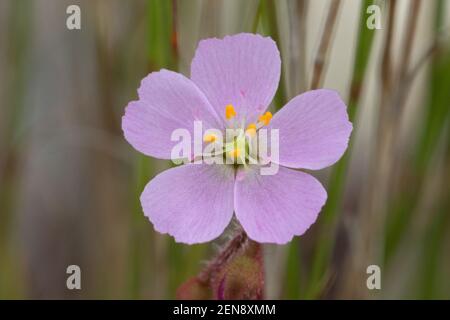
(235, 78)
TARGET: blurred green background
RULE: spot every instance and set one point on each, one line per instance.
(70, 183)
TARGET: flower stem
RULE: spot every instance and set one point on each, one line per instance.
(231, 249)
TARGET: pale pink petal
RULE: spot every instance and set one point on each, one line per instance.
(167, 101)
(193, 202)
(242, 70)
(274, 208)
(314, 130)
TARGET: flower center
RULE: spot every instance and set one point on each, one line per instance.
(240, 147)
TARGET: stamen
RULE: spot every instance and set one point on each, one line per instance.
(230, 112)
(235, 153)
(209, 138)
(251, 129)
(265, 118)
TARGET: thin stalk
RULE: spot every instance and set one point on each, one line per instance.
(292, 279)
(17, 44)
(433, 242)
(386, 61)
(322, 52)
(408, 43)
(296, 82)
(257, 19)
(270, 28)
(374, 198)
(437, 114)
(162, 51)
(385, 166)
(337, 179)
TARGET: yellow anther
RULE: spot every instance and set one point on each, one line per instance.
(251, 129)
(235, 153)
(265, 118)
(209, 138)
(229, 112)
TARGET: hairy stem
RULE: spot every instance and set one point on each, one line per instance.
(230, 250)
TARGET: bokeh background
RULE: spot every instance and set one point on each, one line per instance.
(70, 183)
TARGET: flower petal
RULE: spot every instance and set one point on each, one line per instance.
(167, 101)
(314, 130)
(193, 202)
(242, 70)
(274, 208)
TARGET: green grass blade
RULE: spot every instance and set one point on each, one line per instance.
(336, 184)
